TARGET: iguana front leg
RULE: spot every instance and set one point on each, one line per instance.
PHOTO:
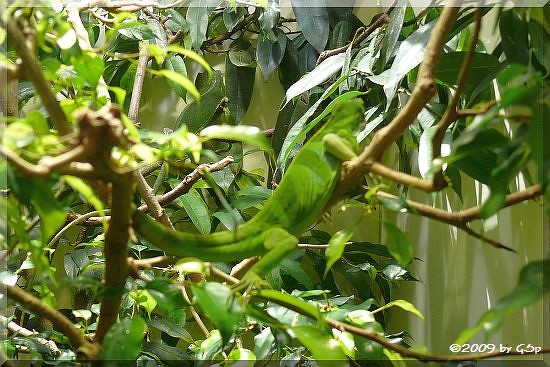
(278, 243)
(340, 147)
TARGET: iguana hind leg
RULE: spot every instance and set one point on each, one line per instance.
(278, 243)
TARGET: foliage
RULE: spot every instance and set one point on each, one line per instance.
(56, 233)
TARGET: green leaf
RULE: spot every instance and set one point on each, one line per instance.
(181, 80)
(241, 58)
(89, 67)
(193, 56)
(176, 64)
(168, 294)
(221, 307)
(239, 87)
(169, 327)
(85, 190)
(336, 247)
(123, 340)
(295, 270)
(197, 19)
(241, 357)
(165, 352)
(513, 31)
(142, 298)
(326, 350)
(482, 65)
(176, 22)
(263, 343)
(288, 301)
(230, 219)
(534, 282)
(341, 33)
(409, 55)
(198, 113)
(323, 72)
(247, 134)
(407, 306)
(197, 210)
(269, 54)
(52, 217)
(232, 16)
(539, 40)
(391, 35)
(313, 21)
(159, 32)
(399, 245)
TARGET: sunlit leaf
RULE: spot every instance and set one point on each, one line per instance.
(399, 245)
(218, 303)
(326, 350)
(336, 247)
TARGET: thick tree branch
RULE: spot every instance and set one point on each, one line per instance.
(65, 163)
(34, 73)
(116, 253)
(401, 177)
(35, 305)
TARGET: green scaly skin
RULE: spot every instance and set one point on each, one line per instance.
(295, 205)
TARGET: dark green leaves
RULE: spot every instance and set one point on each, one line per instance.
(270, 53)
(197, 19)
(123, 340)
(513, 31)
(197, 210)
(482, 65)
(313, 21)
(239, 82)
(197, 114)
(176, 63)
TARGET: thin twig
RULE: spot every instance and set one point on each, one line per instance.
(380, 339)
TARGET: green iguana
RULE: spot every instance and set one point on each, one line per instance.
(297, 202)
